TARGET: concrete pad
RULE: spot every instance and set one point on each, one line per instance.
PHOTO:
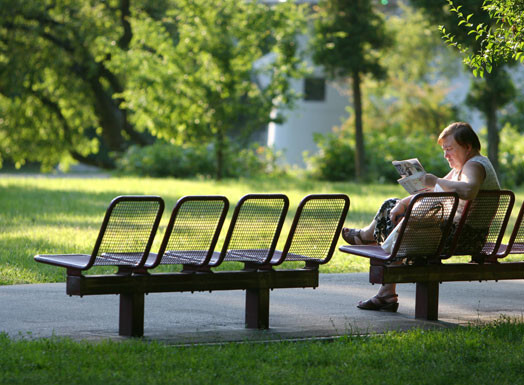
(44, 310)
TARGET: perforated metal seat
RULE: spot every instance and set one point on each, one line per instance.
(124, 239)
(482, 225)
(422, 232)
(254, 229)
(192, 232)
(315, 230)
(515, 244)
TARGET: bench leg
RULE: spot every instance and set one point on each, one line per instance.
(131, 321)
(426, 302)
(257, 308)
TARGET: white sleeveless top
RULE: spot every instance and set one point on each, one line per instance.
(491, 182)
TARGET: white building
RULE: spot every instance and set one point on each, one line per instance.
(322, 107)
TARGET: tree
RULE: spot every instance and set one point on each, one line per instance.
(500, 41)
(348, 36)
(414, 96)
(84, 79)
(230, 66)
(56, 90)
(403, 115)
(490, 97)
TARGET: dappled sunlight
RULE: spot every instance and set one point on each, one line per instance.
(63, 215)
(343, 262)
(13, 275)
(70, 239)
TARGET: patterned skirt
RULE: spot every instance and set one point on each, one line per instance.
(384, 226)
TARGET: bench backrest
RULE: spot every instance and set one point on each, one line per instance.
(481, 228)
(517, 237)
(516, 240)
(425, 227)
(254, 229)
(127, 231)
(193, 230)
(315, 229)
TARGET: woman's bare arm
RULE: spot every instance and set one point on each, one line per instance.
(473, 174)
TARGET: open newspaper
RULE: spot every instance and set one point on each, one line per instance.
(412, 175)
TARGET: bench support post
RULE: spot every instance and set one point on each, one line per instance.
(131, 320)
(426, 301)
(257, 308)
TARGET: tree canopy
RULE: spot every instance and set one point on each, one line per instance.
(500, 41)
(85, 79)
(230, 67)
(496, 89)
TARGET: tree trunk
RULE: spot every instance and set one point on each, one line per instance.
(219, 153)
(493, 132)
(360, 158)
(110, 117)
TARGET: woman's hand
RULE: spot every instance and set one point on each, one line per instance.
(430, 180)
(398, 212)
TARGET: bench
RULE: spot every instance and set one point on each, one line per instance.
(479, 234)
(515, 244)
(190, 240)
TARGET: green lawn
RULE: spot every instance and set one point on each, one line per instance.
(487, 354)
(63, 215)
(52, 215)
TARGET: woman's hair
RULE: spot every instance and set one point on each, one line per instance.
(462, 133)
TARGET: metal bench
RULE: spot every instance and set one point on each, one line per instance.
(192, 233)
(254, 230)
(479, 234)
(515, 244)
(190, 239)
(124, 239)
(312, 239)
(315, 230)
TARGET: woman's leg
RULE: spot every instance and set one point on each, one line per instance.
(366, 233)
(388, 290)
(363, 236)
(377, 231)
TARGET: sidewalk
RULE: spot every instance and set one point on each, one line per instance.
(45, 310)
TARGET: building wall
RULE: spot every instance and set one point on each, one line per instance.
(296, 134)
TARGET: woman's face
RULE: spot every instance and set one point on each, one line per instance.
(455, 154)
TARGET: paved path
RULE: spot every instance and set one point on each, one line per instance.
(45, 310)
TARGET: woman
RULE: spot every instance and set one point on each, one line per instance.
(470, 172)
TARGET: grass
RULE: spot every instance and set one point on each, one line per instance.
(63, 215)
(491, 354)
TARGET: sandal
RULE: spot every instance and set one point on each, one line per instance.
(351, 236)
(380, 303)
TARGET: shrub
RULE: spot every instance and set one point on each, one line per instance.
(163, 159)
(253, 161)
(335, 160)
(511, 157)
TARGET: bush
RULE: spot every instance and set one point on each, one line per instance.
(163, 159)
(511, 157)
(253, 161)
(335, 160)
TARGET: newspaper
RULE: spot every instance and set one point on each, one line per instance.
(412, 175)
